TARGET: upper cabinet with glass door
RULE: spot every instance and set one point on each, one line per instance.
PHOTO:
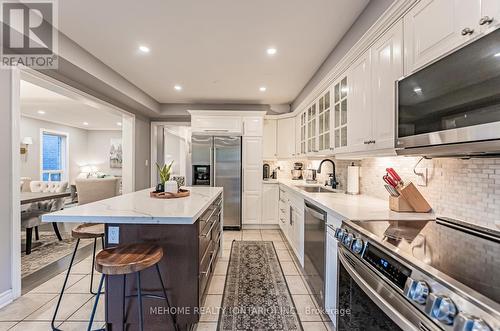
(340, 96)
(312, 146)
(324, 103)
(303, 132)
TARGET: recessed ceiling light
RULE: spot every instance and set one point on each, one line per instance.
(417, 90)
(85, 123)
(177, 87)
(41, 112)
(262, 89)
(271, 51)
(119, 123)
(497, 54)
(144, 49)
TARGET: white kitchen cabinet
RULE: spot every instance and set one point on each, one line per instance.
(270, 198)
(269, 139)
(283, 210)
(302, 125)
(435, 27)
(312, 133)
(297, 232)
(359, 116)
(340, 114)
(331, 277)
(490, 14)
(387, 67)
(324, 122)
(216, 124)
(252, 126)
(286, 137)
(252, 180)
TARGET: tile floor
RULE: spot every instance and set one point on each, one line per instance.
(33, 311)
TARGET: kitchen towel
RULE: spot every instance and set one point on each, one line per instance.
(353, 179)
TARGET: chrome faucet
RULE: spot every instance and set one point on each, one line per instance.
(332, 181)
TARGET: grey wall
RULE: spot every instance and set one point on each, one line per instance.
(5, 179)
(98, 144)
(370, 14)
(142, 153)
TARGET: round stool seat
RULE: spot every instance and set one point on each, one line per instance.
(88, 231)
(126, 259)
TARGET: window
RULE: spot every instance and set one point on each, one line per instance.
(53, 156)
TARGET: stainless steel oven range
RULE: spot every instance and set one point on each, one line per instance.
(442, 274)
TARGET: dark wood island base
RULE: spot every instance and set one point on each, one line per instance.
(187, 266)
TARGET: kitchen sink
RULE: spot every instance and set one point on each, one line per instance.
(316, 189)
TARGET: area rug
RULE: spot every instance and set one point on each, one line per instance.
(50, 250)
(256, 296)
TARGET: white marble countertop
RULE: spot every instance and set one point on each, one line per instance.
(139, 208)
(353, 207)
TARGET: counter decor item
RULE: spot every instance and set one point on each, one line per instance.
(408, 198)
(181, 193)
(164, 173)
(353, 179)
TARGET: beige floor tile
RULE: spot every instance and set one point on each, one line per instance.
(232, 235)
(24, 306)
(280, 245)
(227, 244)
(32, 326)
(210, 310)
(54, 285)
(314, 326)
(272, 237)
(206, 326)
(250, 231)
(69, 305)
(296, 285)
(284, 255)
(83, 314)
(217, 285)
(251, 236)
(289, 268)
(4, 326)
(226, 253)
(82, 268)
(79, 326)
(83, 285)
(306, 308)
(221, 268)
(270, 231)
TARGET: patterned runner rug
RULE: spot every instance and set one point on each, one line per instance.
(256, 296)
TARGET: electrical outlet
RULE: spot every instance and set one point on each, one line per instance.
(422, 177)
(113, 235)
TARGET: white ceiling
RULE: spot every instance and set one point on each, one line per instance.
(64, 110)
(215, 49)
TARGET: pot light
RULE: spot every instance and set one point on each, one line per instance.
(119, 123)
(85, 123)
(144, 49)
(497, 54)
(41, 112)
(271, 51)
(417, 90)
(177, 87)
(262, 89)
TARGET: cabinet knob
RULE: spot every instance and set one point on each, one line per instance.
(485, 20)
(467, 31)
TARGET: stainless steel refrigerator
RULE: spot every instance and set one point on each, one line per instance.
(216, 161)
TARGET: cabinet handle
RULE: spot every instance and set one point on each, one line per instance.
(467, 31)
(291, 215)
(485, 20)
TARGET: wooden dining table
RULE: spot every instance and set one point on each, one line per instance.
(30, 197)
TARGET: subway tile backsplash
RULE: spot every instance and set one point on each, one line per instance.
(468, 190)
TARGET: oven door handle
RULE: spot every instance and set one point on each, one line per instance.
(378, 299)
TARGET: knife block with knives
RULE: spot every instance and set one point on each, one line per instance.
(404, 197)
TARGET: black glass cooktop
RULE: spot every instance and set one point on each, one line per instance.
(466, 253)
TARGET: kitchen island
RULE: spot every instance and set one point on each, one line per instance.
(188, 229)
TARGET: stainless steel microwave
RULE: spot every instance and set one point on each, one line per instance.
(452, 106)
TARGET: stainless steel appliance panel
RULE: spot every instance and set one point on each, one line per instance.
(314, 250)
(227, 173)
(202, 155)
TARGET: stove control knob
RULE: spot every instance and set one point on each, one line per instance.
(339, 234)
(357, 245)
(465, 322)
(444, 310)
(348, 237)
(419, 292)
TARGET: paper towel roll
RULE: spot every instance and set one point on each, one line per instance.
(353, 179)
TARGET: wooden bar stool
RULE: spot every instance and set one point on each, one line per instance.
(128, 259)
(83, 231)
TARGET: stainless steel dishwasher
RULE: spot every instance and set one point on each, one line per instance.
(314, 250)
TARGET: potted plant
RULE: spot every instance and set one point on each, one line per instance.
(165, 183)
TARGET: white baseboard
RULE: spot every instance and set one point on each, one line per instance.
(5, 298)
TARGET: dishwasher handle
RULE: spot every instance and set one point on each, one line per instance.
(315, 211)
